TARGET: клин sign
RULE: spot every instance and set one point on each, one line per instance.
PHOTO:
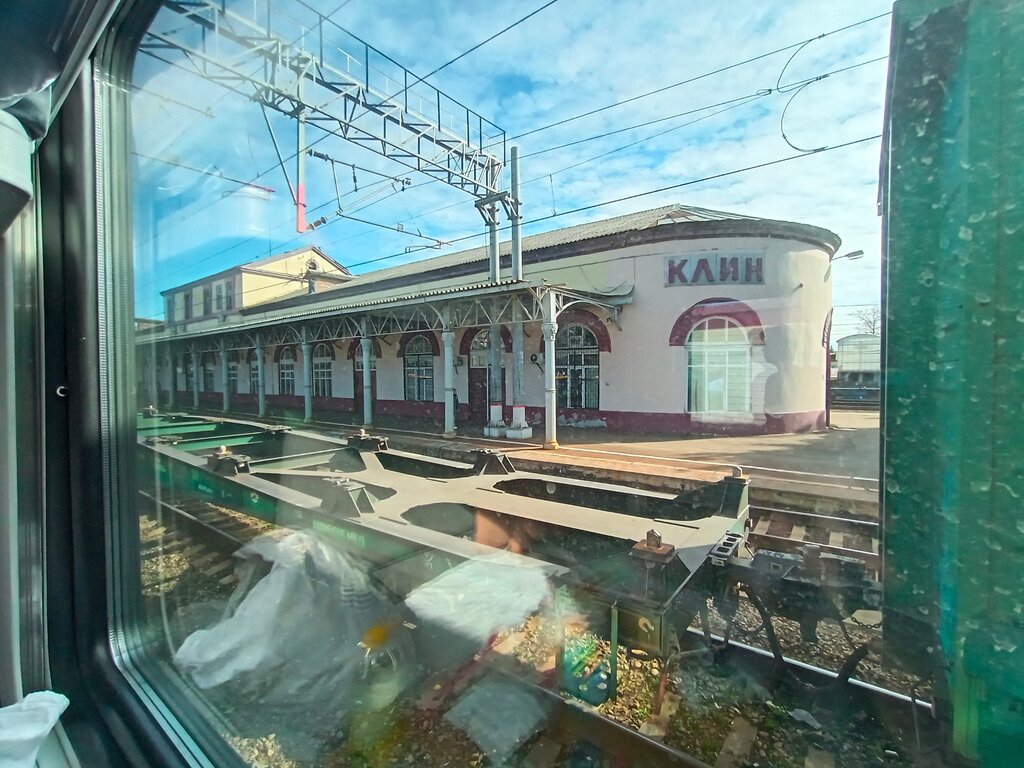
(714, 268)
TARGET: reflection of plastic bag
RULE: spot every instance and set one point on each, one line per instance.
(309, 636)
(25, 725)
(466, 606)
(483, 596)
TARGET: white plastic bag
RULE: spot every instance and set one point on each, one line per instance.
(295, 638)
(25, 725)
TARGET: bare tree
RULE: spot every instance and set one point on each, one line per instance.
(869, 320)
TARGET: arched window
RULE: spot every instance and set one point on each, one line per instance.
(323, 359)
(419, 369)
(254, 373)
(233, 373)
(186, 364)
(286, 372)
(479, 349)
(577, 367)
(718, 367)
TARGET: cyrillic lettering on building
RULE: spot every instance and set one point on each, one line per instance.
(713, 268)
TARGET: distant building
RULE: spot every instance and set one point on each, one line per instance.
(858, 369)
(675, 320)
(212, 300)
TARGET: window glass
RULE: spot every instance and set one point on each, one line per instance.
(286, 372)
(719, 367)
(660, 538)
(323, 360)
(419, 369)
(578, 367)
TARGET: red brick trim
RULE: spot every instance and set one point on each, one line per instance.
(717, 307)
(353, 349)
(435, 346)
(589, 321)
(330, 346)
(280, 350)
(470, 334)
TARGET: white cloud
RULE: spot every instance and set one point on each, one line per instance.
(573, 57)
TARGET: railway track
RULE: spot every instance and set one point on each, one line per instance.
(205, 535)
(788, 530)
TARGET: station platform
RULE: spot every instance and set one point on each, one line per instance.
(829, 472)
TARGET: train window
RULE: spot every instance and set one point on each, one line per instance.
(585, 566)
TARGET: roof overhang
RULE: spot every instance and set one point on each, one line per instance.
(467, 306)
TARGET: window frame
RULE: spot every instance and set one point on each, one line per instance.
(419, 387)
(286, 371)
(729, 348)
(321, 365)
(571, 367)
(124, 709)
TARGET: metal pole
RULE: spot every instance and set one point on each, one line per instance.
(195, 380)
(307, 376)
(261, 379)
(496, 423)
(517, 218)
(613, 649)
(172, 383)
(300, 163)
(519, 428)
(448, 340)
(226, 400)
(549, 329)
(492, 227)
(366, 345)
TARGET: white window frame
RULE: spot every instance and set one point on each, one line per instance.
(323, 371)
(697, 369)
(286, 372)
(419, 369)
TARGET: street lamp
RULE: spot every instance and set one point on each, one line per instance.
(852, 256)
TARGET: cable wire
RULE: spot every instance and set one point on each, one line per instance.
(701, 76)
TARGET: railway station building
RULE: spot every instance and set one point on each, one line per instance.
(678, 320)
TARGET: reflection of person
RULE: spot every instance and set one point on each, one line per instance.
(455, 406)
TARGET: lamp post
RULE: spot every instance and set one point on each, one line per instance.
(852, 256)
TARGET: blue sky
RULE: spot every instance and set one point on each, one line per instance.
(197, 143)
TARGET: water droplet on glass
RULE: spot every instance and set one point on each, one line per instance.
(981, 486)
(966, 234)
(982, 298)
(975, 218)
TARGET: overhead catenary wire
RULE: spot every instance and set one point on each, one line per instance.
(701, 76)
(668, 188)
(328, 133)
(422, 78)
(546, 175)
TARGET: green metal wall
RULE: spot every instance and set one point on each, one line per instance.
(953, 403)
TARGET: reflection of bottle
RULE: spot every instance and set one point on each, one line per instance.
(383, 676)
(381, 671)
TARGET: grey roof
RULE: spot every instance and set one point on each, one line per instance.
(628, 222)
